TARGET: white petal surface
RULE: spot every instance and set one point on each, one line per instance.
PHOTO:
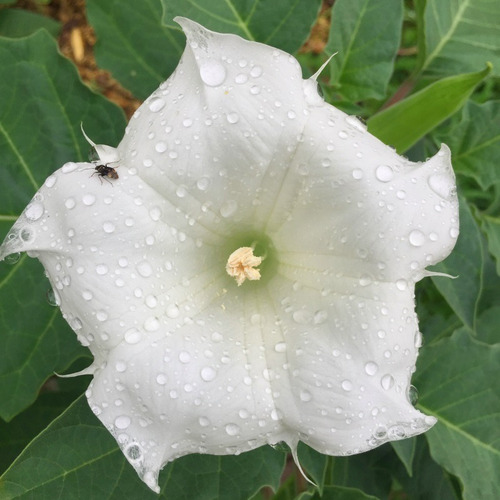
(236, 150)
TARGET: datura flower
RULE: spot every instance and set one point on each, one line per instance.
(242, 265)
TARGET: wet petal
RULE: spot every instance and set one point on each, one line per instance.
(237, 156)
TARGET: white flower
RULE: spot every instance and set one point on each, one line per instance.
(236, 168)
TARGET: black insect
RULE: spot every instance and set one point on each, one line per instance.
(106, 172)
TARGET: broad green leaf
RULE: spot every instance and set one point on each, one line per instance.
(366, 35)
(15, 435)
(338, 493)
(491, 226)
(314, 464)
(405, 450)
(284, 24)
(133, 44)
(487, 326)
(76, 457)
(474, 140)
(364, 472)
(40, 119)
(430, 481)
(461, 36)
(465, 263)
(457, 379)
(404, 123)
(15, 23)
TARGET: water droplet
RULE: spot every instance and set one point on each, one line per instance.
(208, 373)
(161, 379)
(203, 183)
(69, 167)
(387, 381)
(384, 173)
(412, 395)
(50, 181)
(357, 173)
(365, 280)
(172, 311)
(346, 385)
(343, 134)
(256, 71)
(371, 368)
(454, 232)
(416, 238)
(280, 347)
(88, 199)
(241, 78)
(441, 184)
(108, 227)
(401, 284)
(232, 429)
(228, 208)
(212, 73)
(161, 146)
(203, 421)
(156, 104)
(53, 297)
(305, 395)
(355, 123)
(133, 451)
(101, 269)
(184, 357)
(34, 211)
(144, 269)
(70, 203)
(132, 336)
(151, 324)
(26, 234)
(122, 422)
(232, 117)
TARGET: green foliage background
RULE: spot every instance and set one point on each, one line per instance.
(444, 91)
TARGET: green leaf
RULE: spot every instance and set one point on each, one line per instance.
(366, 34)
(457, 379)
(491, 226)
(461, 36)
(405, 450)
(338, 493)
(34, 340)
(133, 44)
(15, 23)
(76, 457)
(284, 24)
(466, 263)
(404, 123)
(314, 463)
(24, 427)
(430, 482)
(474, 140)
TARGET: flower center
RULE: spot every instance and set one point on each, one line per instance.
(241, 265)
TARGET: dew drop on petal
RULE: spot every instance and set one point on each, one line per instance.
(387, 381)
(384, 173)
(88, 199)
(232, 429)
(161, 379)
(346, 385)
(34, 211)
(232, 118)
(401, 284)
(416, 238)
(144, 269)
(132, 336)
(156, 104)
(441, 184)
(122, 422)
(184, 357)
(280, 347)
(305, 395)
(108, 227)
(208, 373)
(53, 297)
(371, 368)
(172, 311)
(69, 167)
(228, 208)
(413, 395)
(212, 73)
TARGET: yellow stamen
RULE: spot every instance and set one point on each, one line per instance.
(241, 265)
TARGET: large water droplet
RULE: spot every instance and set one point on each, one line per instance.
(132, 336)
(371, 368)
(34, 211)
(212, 73)
(346, 385)
(416, 238)
(387, 381)
(156, 104)
(172, 311)
(228, 208)
(122, 422)
(384, 173)
(232, 429)
(208, 373)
